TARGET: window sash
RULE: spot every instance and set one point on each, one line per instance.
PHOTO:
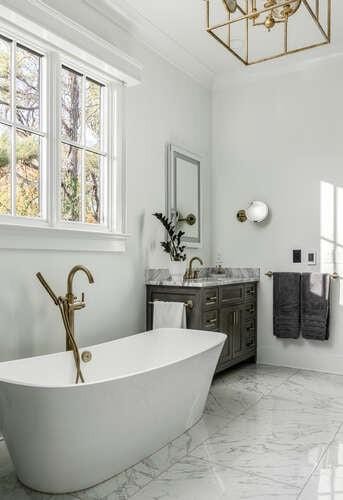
(104, 165)
(15, 126)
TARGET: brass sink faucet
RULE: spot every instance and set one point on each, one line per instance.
(67, 306)
(191, 274)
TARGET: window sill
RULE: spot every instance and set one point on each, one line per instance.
(16, 237)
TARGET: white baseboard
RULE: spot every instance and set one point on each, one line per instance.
(327, 363)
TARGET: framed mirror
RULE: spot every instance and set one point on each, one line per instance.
(184, 193)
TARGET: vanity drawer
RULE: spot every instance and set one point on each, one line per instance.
(210, 320)
(231, 294)
(250, 311)
(210, 298)
(250, 292)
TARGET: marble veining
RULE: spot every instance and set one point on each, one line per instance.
(207, 277)
(267, 433)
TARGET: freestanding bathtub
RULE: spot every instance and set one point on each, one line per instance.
(140, 393)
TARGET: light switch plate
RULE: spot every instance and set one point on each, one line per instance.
(311, 258)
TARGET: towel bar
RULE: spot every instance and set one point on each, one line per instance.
(188, 304)
(333, 276)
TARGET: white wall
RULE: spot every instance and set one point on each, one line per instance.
(276, 138)
(167, 106)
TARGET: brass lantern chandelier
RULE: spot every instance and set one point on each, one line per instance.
(255, 31)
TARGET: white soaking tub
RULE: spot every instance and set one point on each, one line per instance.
(140, 393)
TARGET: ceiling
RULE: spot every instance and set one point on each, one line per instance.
(175, 29)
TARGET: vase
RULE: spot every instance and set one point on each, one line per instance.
(177, 270)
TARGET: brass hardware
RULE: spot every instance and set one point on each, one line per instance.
(211, 300)
(269, 14)
(242, 216)
(190, 219)
(189, 304)
(211, 321)
(269, 22)
(72, 304)
(67, 306)
(334, 276)
(86, 356)
(190, 274)
(270, 3)
(231, 5)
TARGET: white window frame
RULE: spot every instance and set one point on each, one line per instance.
(49, 232)
(42, 132)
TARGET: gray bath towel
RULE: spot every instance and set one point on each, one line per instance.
(286, 306)
(315, 306)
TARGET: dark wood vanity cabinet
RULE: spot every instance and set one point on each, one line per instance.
(230, 309)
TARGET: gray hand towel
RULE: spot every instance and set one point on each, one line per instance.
(286, 305)
(315, 306)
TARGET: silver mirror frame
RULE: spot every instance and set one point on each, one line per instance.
(173, 153)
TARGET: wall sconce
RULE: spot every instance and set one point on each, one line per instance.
(257, 211)
(189, 219)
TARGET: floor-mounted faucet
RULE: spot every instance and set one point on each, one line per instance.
(67, 306)
(72, 304)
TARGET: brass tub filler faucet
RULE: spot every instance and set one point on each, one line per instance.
(67, 306)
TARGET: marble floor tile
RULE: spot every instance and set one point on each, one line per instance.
(194, 479)
(308, 391)
(233, 392)
(320, 383)
(326, 483)
(230, 401)
(255, 378)
(274, 444)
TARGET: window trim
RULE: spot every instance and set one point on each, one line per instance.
(53, 58)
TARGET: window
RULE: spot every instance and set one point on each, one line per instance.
(21, 132)
(59, 148)
(83, 155)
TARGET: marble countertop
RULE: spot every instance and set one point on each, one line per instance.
(208, 277)
(202, 282)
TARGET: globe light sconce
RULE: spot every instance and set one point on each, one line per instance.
(257, 211)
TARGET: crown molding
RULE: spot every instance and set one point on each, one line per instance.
(144, 31)
(62, 31)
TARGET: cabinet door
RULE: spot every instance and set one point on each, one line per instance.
(231, 322)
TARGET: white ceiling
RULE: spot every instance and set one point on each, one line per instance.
(175, 29)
